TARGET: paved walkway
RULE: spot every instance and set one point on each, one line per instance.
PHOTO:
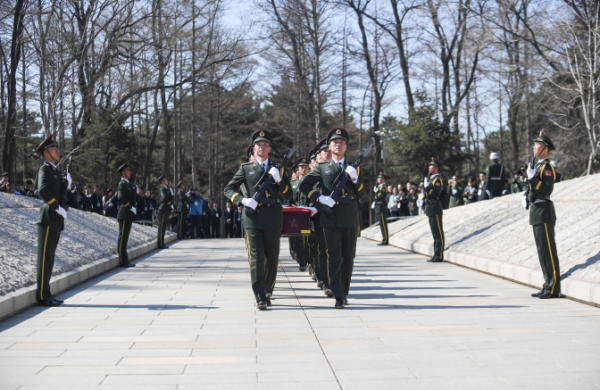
(184, 319)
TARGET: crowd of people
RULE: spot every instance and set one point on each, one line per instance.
(408, 200)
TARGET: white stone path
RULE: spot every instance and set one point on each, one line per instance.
(184, 319)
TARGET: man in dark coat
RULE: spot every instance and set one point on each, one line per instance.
(164, 210)
(434, 186)
(126, 214)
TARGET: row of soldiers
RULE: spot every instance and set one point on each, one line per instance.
(330, 248)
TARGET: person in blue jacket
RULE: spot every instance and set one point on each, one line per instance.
(198, 208)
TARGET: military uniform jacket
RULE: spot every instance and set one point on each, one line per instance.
(182, 207)
(433, 206)
(49, 189)
(494, 177)
(295, 186)
(267, 217)
(542, 209)
(456, 194)
(343, 215)
(126, 193)
(380, 199)
(166, 199)
(299, 197)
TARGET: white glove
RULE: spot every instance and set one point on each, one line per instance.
(61, 212)
(69, 180)
(376, 189)
(172, 207)
(274, 172)
(133, 209)
(530, 172)
(524, 201)
(326, 200)
(351, 171)
(249, 202)
(425, 182)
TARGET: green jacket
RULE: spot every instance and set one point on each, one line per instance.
(433, 206)
(456, 195)
(299, 197)
(126, 193)
(266, 217)
(542, 209)
(342, 215)
(165, 200)
(49, 189)
(495, 177)
(182, 206)
(380, 197)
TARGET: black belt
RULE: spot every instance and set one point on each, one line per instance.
(542, 197)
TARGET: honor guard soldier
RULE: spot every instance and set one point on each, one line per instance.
(166, 205)
(51, 219)
(341, 219)
(542, 215)
(301, 245)
(126, 213)
(495, 177)
(262, 219)
(381, 208)
(182, 210)
(433, 209)
(294, 186)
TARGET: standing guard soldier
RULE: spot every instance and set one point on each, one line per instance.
(433, 209)
(381, 208)
(262, 221)
(340, 223)
(543, 217)
(182, 210)
(166, 205)
(495, 177)
(51, 219)
(126, 213)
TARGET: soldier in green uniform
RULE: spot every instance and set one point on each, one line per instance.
(51, 219)
(164, 209)
(126, 213)
(262, 219)
(301, 245)
(456, 190)
(182, 209)
(495, 177)
(381, 208)
(340, 221)
(543, 217)
(294, 186)
(433, 209)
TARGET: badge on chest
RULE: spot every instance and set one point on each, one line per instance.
(327, 173)
(251, 173)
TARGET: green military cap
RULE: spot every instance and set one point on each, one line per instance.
(337, 132)
(434, 162)
(161, 178)
(47, 143)
(312, 153)
(381, 176)
(301, 161)
(262, 135)
(180, 183)
(123, 167)
(545, 139)
(323, 144)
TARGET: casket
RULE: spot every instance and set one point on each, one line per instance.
(296, 221)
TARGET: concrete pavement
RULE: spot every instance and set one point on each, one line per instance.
(184, 318)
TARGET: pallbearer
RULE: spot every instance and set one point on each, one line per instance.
(182, 210)
(51, 219)
(543, 217)
(339, 220)
(166, 205)
(433, 209)
(301, 247)
(126, 214)
(262, 220)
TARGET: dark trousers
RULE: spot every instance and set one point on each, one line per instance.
(229, 230)
(340, 249)
(47, 242)
(320, 256)
(124, 230)
(302, 250)
(546, 248)
(216, 231)
(238, 230)
(437, 231)
(383, 226)
(495, 193)
(196, 229)
(181, 225)
(292, 245)
(263, 253)
(162, 226)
